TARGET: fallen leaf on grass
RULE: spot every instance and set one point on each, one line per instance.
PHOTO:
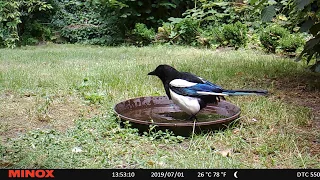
(236, 131)
(150, 163)
(254, 120)
(225, 153)
(76, 150)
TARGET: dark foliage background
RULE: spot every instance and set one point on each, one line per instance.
(288, 27)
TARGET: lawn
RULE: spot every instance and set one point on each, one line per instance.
(56, 109)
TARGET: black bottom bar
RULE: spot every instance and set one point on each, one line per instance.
(161, 173)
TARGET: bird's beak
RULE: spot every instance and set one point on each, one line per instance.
(152, 73)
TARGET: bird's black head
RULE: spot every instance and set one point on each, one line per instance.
(164, 72)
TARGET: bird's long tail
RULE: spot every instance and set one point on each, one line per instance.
(244, 92)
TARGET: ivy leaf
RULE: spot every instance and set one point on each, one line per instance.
(172, 34)
(259, 5)
(315, 29)
(311, 44)
(312, 47)
(316, 67)
(272, 2)
(268, 13)
(140, 3)
(150, 18)
(221, 4)
(306, 25)
(300, 4)
(175, 20)
(282, 17)
(167, 4)
(11, 24)
(251, 2)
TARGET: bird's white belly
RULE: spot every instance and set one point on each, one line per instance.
(190, 105)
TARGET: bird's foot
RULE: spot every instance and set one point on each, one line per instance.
(220, 98)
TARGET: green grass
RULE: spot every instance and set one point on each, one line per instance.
(270, 134)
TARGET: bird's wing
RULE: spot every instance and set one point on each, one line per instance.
(186, 88)
(196, 79)
(191, 77)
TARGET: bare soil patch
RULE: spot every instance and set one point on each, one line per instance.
(303, 90)
(19, 114)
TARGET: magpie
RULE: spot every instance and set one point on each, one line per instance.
(192, 93)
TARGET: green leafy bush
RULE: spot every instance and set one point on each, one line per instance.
(291, 43)
(270, 37)
(142, 34)
(151, 13)
(185, 30)
(84, 33)
(29, 40)
(15, 15)
(179, 31)
(217, 12)
(35, 32)
(164, 32)
(130, 12)
(94, 98)
(214, 35)
(79, 22)
(9, 20)
(235, 34)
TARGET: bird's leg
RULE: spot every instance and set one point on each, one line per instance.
(193, 117)
(219, 98)
(194, 127)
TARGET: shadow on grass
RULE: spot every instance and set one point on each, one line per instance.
(303, 89)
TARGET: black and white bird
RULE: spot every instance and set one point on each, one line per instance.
(192, 93)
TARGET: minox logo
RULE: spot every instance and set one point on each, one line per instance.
(24, 173)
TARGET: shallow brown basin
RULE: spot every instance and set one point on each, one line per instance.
(160, 111)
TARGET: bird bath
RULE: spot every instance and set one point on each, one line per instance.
(163, 114)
